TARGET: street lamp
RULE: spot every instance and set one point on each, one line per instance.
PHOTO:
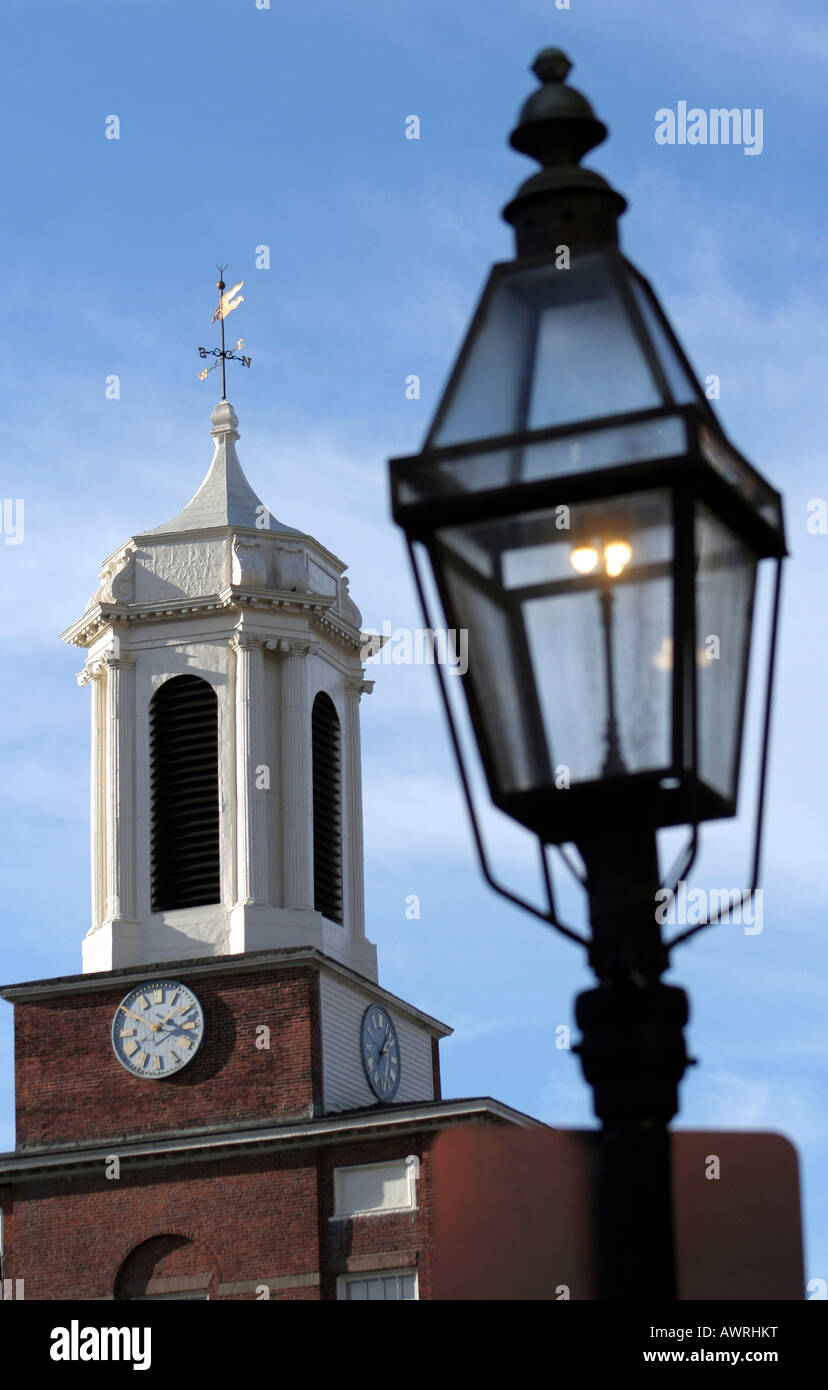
(591, 527)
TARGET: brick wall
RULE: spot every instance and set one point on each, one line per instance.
(352, 1246)
(70, 1086)
(243, 1223)
(247, 1221)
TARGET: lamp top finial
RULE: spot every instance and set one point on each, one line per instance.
(563, 202)
(557, 124)
(551, 65)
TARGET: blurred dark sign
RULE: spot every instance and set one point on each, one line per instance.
(514, 1215)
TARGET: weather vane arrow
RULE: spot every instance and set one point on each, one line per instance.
(228, 301)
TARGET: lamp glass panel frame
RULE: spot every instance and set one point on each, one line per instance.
(543, 724)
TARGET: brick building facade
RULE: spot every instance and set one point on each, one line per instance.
(224, 1182)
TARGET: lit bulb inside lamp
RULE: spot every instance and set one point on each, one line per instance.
(584, 558)
(617, 556)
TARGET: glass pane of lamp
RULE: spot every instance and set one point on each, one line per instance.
(578, 451)
(681, 384)
(725, 582)
(570, 632)
(554, 346)
(498, 665)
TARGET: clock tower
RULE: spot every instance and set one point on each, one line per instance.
(225, 1102)
(223, 658)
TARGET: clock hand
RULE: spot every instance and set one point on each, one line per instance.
(182, 1009)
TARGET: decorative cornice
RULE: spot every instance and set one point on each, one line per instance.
(191, 967)
(235, 595)
(94, 621)
(107, 661)
(357, 686)
(282, 646)
(92, 671)
(317, 608)
(116, 576)
(341, 632)
(214, 1144)
(301, 646)
(242, 641)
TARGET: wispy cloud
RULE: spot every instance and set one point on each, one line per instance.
(729, 1100)
(795, 41)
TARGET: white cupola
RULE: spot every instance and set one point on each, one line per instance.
(224, 663)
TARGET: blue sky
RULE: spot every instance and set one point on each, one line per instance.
(241, 127)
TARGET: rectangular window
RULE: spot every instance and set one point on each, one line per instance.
(375, 1187)
(391, 1284)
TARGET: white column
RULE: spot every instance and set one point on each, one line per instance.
(93, 675)
(297, 780)
(251, 801)
(355, 687)
(119, 743)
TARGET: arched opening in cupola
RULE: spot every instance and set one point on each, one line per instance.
(327, 809)
(185, 854)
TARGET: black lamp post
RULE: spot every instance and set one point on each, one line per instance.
(590, 526)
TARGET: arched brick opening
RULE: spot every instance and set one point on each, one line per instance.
(167, 1266)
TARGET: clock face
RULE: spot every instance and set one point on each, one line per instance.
(157, 1029)
(380, 1052)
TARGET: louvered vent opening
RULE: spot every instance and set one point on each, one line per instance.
(327, 815)
(185, 800)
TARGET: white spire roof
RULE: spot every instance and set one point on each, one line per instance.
(225, 498)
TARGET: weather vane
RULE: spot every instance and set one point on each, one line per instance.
(228, 301)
